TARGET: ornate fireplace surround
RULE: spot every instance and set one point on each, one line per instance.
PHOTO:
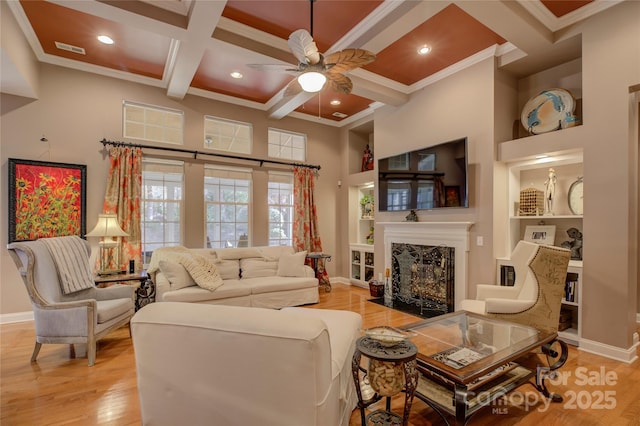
(426, 236)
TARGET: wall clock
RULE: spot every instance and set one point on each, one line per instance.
(575, 197)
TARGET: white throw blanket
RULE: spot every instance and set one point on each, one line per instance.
(72, 261)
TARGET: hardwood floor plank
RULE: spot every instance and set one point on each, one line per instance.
(59, 390)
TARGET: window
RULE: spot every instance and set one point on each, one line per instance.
(280, 208)
(227, 196)
(227, 135)
(287, 145)
(399, 162)
(398, 195)
(425, 194)
(152, 123)
(161, 204)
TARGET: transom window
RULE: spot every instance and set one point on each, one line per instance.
(152, 123)
(161, 205)
(227, 135)
(280, 199)
(227, 197)
(287, 145)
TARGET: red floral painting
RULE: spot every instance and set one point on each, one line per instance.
(46, 199)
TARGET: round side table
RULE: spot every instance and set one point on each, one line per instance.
(387, 366)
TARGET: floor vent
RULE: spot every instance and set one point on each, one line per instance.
(70, 48)
(339, 115)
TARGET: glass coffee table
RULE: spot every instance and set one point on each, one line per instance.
(466, 361)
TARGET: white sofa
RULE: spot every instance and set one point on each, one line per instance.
(229, 365)
(267, 277)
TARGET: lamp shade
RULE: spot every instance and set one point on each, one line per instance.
(312, 81)
(107, 226)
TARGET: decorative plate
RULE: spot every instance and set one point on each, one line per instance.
(387, 336)
(548, 111)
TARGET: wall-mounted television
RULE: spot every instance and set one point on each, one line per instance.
(424, 179)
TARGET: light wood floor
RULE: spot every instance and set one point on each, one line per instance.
(58, 390)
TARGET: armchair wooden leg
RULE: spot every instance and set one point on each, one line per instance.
(91, 352)
(36, 350)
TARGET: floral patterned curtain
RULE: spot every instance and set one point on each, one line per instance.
(305, 220)
(438, 192)
(122, 197)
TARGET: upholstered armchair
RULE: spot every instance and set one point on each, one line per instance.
(83, 316)
(536, 296)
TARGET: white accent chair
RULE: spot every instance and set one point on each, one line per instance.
(536, 297)
(230, 365)
(82, 317)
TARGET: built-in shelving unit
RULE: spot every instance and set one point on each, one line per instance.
(362, 264)
(527, 159)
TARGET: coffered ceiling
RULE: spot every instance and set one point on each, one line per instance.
(193, 46)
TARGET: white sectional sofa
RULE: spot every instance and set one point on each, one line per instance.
(228, 365)
(267, 277)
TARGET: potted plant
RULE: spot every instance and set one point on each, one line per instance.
(366, 204)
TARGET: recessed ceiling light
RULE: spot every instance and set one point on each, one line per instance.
(423, 50)
(105, 39)
(335, 102)
(236, 74)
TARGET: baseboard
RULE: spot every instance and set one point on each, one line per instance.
(619, 354)
(16, 317)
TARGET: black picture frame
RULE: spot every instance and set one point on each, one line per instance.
(46, 199)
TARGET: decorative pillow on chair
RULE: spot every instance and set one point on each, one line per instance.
(202, 270)
(292, 265)
(176, 274)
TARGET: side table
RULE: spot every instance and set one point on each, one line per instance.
(317, 263)
(386, 364)
(145, 293)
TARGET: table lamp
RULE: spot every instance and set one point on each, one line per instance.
(107, 228)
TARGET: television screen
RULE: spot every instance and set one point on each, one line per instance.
(427, 178)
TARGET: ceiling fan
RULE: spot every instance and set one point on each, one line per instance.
(314, 69)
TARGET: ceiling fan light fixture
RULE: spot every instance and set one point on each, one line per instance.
(236, 74)
(312, 81)
(335, 102)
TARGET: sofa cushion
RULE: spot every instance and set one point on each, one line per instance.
(230, 289)
(277, 283)
(292, 265)
(229, 269)
(238, 253)
(255, 268)
(112, 308)
(203, 271)
(274, 252)
(176, 274)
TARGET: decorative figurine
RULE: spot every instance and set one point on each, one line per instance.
(549, 192)
(575, 245)
(412, 216)
(367, 159)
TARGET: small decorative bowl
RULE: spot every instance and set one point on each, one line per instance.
(387, 336)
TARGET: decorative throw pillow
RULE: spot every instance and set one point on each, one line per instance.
(229, 269)
(292, 265)
(202, 270)
(176, 274)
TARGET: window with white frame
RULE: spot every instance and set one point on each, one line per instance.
(227, 199)
(280, 199)
(287, 145)
(398, 195)
(227, 135)
(152, 123)
(161, 205)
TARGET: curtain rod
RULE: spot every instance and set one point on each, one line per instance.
(105, 142)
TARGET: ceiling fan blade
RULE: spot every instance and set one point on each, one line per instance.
(293, 88)
(348, 59)
(303, 47)
(339, 83)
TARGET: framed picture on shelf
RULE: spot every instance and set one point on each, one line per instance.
(540, 234)
(452, 196)
(46, 199)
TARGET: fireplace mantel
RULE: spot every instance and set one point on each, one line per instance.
(450, 234)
